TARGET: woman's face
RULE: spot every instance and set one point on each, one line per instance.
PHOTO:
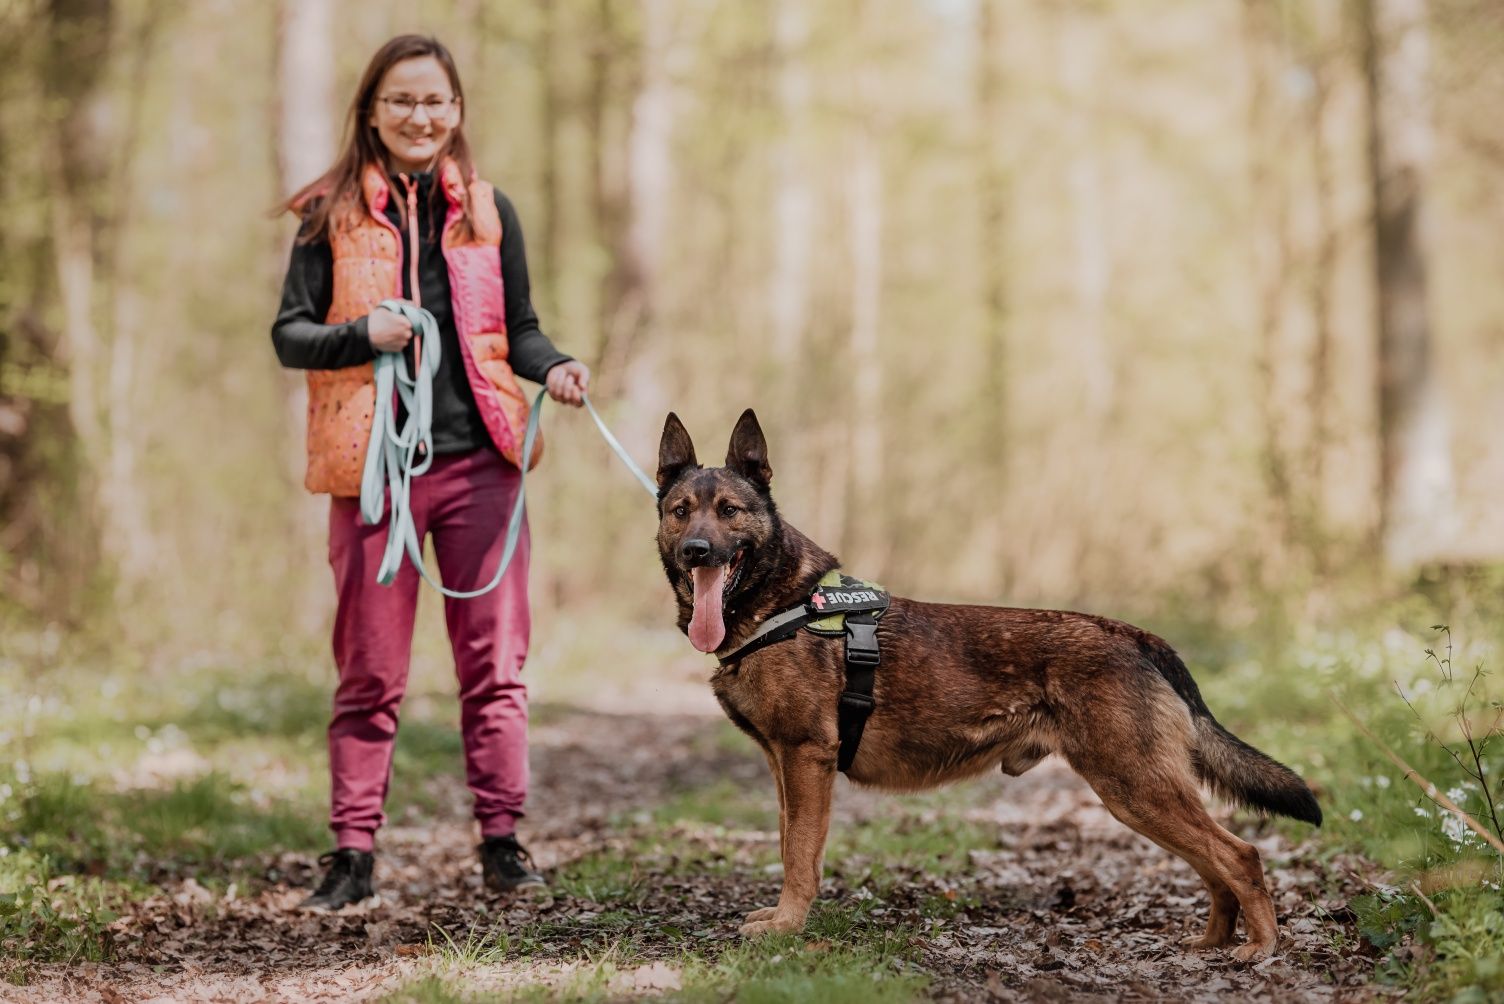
(414, 111)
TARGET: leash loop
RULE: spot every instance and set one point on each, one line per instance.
(392, 457)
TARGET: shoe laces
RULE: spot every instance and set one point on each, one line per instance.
(341, 865)
(510, 846)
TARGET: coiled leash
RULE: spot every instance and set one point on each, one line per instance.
(392, 458)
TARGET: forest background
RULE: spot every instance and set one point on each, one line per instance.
(1187, 313)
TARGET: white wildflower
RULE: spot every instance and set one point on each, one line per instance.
(1356, 815)
(1456, 829)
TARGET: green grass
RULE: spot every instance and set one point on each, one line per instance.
(842, 956)
(885, 849)
(209, 820)
(85, 826)
(1281, 700)
(724, 803)
(113, 779)
(602, 878)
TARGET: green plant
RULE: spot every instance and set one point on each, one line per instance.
(1467, 724)
(46, 917)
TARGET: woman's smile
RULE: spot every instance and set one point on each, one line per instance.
(414, 112)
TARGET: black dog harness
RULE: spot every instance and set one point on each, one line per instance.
(839, 606)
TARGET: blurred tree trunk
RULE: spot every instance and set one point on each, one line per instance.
(1080, 29)
(790, 279)
(550, 87)
(992, 197)
(608, 191)
(864, 348)
(860, 429)
(633, 305)
(468, 44)
(1416, 516)
(306, 139)
(76, 62)
(305, 91)
(794, 202)
(1321, 282)
(77, 56)
(1079, 51)
(132, 536)
(1268, 142)
(34, 421)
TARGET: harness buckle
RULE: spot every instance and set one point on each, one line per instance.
(861, 643)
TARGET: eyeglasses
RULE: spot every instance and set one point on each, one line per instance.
(403, 106)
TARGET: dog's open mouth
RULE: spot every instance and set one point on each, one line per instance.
(707, 625)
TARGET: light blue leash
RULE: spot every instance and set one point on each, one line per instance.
(647, 482)
(391, 458)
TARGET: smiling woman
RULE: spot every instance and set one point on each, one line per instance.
(403, 214)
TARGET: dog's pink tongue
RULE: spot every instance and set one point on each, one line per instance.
(707, 629)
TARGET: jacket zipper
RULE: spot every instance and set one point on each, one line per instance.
(412, 266)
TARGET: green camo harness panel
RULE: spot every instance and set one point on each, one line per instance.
(840, 606)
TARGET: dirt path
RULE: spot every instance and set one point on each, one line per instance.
(1071, 904)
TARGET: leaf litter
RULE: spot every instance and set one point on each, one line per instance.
(1068, 904)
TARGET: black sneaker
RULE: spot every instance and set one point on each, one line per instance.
(509, 867)
(347, 881)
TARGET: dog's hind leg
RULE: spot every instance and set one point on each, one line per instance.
(808, 776)
(1133, 746)
(1171, 815)
(783, 819)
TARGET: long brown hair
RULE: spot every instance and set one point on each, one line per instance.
(319, 202)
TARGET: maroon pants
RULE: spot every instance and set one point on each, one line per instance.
(464, 501)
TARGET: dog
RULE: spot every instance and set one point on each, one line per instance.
(960, 690)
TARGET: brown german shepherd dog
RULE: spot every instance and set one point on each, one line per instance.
(960, 690)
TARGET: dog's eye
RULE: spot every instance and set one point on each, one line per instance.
(728, 510)
(681, 511)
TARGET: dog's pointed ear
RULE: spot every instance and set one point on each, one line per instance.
(675, 451)
(748, 453)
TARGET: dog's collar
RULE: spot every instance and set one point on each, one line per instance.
(835, 596)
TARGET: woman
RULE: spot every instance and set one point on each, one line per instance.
(402, 214)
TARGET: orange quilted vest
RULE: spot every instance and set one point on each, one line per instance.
(368, 259)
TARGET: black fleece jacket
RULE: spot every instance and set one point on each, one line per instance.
(304, 341)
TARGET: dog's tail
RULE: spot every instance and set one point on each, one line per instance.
(1230, 767)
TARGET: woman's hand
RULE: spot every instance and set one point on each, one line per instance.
(388, 330)
(567, 382)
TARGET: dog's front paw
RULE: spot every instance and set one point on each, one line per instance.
(1204, 941)
(1253, 950)
(775, 923)
(766, 913)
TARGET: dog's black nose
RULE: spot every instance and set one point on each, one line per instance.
(694, 549)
